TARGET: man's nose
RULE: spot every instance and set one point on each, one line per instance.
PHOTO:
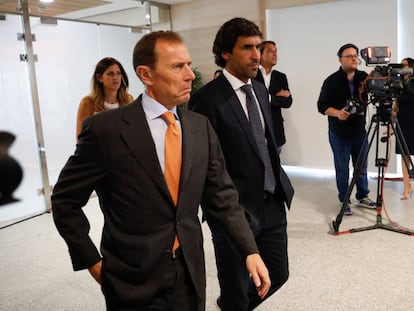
(189, 73)
(256, 53)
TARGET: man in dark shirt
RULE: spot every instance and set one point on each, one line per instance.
(347, 134)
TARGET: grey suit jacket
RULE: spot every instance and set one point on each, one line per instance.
(116, 156)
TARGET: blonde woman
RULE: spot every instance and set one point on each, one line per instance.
(109, 90)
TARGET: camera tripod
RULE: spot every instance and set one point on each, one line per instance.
(383, 116)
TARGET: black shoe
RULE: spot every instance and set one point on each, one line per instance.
(219, 301)
(347, 210)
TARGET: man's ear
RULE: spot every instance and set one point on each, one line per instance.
(145, 74)
(225, 55)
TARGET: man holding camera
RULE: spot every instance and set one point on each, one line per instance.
(347, 134)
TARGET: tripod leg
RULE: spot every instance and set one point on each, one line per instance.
(362, 157)
(381, 163)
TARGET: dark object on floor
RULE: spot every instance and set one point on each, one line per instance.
(11, 173)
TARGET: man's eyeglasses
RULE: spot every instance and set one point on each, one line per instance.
(350, 56)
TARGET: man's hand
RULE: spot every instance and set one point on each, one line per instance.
(284, 93)
(259, 274)
(343, 114)
(95, 271)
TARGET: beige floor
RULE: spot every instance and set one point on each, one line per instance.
(370, 270)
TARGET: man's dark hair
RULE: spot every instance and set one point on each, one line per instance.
(144, 51)
(346, 46)
(228, 34)
(263, 44)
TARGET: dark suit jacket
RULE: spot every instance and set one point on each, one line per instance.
(116, 156)
(218, 101)
(278, 81)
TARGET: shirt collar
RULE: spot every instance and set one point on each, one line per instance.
(153, 109)
(235, 82)
(263, 70)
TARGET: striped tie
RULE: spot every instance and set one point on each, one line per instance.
(259, 136)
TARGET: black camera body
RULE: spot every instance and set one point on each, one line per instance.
(384, 82)
(353, 106)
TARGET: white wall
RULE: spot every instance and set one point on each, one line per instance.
(198, 22)
(308, 38)
(405, 29)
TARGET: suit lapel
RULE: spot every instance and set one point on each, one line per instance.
(263, 99)
(188, 138)
(260, 77)
(235, 106)
(137, 137)
(273, 81)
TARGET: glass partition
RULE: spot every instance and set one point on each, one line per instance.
(68, 42)
(16, 117)
(66, 62)
(67, 53)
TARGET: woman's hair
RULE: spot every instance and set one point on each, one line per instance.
(97, 88)
(410, 61)
(228, 34)
(409, 79)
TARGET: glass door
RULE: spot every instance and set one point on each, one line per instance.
(17, 118)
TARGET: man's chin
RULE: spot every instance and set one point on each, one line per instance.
(253, 74)
(184, 99)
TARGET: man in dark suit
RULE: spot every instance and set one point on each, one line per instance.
(120, 154)
(277, 84)
(244, 127)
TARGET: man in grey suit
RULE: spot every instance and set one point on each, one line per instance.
(243, 124)
(120, 155)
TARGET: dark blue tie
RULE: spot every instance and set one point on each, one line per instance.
(257, 128)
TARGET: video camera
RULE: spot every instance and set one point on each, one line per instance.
(385, 82)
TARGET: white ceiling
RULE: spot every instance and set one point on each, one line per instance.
(114, 6)
(121, 12)
(173, 1)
